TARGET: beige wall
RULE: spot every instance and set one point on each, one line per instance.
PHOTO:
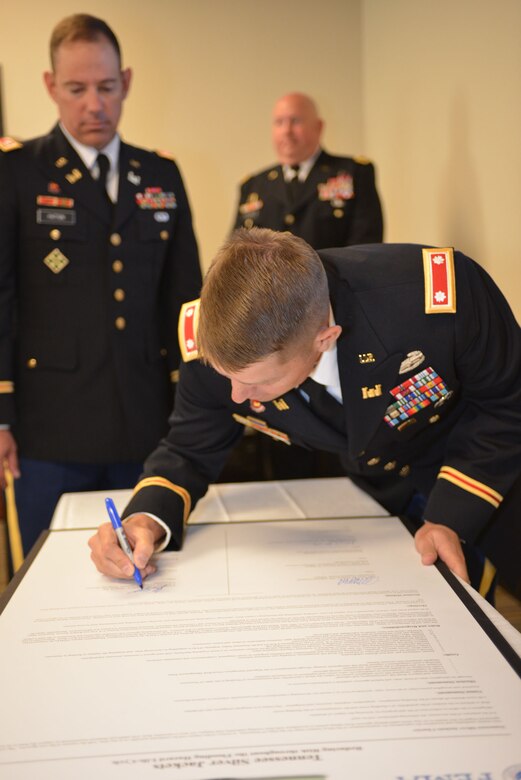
(206, 73)
(429, 90)
(442, 104)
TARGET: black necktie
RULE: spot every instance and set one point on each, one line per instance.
(103, 165)
(295, 185)
(324, 405)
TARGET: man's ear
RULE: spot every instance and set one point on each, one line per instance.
(326, 338)
(126, 78)
(50, 82)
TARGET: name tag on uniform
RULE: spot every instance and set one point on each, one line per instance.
(55, 217)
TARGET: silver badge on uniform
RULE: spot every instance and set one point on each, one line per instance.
(412, 360)
(133, 178)
(161, 216)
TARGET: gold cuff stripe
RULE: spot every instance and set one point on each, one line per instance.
(164, 483)
(471, 485)
(6, 386)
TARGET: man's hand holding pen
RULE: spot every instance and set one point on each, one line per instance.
(143, 534)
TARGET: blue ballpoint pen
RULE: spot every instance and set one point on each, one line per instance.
(122, 539)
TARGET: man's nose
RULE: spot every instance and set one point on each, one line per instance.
(240, 393)
(94, 101)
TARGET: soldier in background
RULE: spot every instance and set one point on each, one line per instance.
(325, 199)
(328, 201)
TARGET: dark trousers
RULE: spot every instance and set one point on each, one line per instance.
(42, 482)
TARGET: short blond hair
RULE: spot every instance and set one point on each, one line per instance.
(81, 27)
(265, 293)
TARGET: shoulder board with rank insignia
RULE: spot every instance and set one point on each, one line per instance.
(165, 155)
(8, 144)
(439, 281)
(361, 160)
(187, 330)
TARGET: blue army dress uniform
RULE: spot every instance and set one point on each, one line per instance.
(90, 294)
(431, 401)
(336, 205)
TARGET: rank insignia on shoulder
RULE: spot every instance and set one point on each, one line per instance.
(187, 330)
(439, 281)
(8, 144)
(361, 159)
(165, 155)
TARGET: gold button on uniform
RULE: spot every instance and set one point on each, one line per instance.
(32, 363)
(338, 213)
(120, 323)
(115, 239)
(434, 418)
(289, 219)
(390, 465)
(373, 461)
(119, 294)
(404, 471)
(117, 266)
(164, 235)
(55, 234)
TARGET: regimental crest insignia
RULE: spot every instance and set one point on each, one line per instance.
(187, 330)
(439, 281)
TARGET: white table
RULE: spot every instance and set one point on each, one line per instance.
(253, 501)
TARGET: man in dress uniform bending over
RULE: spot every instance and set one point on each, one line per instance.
(97, 254)
(403, 359)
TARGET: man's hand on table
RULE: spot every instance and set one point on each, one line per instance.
(143, 534)
(435, 541)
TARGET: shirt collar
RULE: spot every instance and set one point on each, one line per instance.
(326, 370)
(305, 167)
(88, 154)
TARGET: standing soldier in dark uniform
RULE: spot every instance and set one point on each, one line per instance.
(404, 360)
(97, 253)
(325, 199)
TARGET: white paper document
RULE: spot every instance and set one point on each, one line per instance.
(238, 501)
(318, 649)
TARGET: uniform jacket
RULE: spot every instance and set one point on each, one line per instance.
(338, 204)
(461, 448)
(89, 301)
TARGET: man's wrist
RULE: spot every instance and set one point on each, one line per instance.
(163, 542)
